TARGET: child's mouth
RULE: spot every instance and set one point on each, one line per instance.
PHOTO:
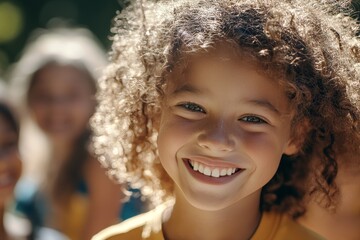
(215, 172)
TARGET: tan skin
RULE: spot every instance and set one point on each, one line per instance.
(104, 209)
(61, 101)
(10, 166)
(225, 114)
(345, 221)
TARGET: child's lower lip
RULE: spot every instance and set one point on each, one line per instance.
(208, 179)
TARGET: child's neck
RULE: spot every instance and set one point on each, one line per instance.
(62, 150)
(238, 221)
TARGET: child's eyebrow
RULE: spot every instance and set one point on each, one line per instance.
(186, 88)
(264, 103)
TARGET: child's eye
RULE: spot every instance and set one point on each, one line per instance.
(252, 119)
(193, 107)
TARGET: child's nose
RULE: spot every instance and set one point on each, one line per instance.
(217, 137)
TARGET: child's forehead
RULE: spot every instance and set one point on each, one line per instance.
(222, 81)
(185, 71)
(64, 73)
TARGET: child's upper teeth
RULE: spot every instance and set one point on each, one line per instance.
(213, 172)
(207, 171)
(196, 166)
(201, 168)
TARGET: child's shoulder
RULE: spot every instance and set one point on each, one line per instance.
(277, 226)
(143, 226)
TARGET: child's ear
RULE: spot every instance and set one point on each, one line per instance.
(292, 148)
(299, 134)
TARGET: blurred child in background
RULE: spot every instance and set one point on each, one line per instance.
(56, 81)
(10, 164)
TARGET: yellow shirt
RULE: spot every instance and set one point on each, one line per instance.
(72, 220)
(147, 226)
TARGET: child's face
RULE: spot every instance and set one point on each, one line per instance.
(227, 121)
(61, 101)
(10, 164)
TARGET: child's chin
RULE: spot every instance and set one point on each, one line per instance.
(210, 203)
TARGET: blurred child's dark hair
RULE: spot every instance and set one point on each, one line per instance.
(310, 47)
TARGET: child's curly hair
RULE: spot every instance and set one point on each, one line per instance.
(310, 44)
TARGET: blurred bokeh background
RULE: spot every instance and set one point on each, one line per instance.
(18, 18)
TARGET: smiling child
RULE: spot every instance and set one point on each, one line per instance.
(214, 108)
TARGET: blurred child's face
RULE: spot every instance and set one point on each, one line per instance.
(10, 165)
(61, 101)
(223, 132)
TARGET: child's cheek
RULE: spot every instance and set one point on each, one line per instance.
(262, 147)
(173, 135)
(166, 143)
